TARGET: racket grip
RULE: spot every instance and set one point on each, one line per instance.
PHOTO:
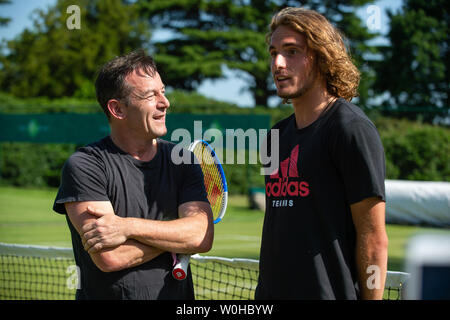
(179, 271)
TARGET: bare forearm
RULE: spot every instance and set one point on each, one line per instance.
(184, 235)
(118, 253)
(129, 254)
(371, 246)
(193, 232)
(371, 261)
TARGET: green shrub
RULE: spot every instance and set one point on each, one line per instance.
(11, 104)
(417, 153)
(414, 151)
(33, 165)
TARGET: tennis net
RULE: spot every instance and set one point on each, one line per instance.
(50, 273)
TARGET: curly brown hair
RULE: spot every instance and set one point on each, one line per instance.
(333, 57)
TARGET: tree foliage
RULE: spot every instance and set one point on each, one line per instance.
(4, 20)
(211, 34)
(414, 69)
(52, 61)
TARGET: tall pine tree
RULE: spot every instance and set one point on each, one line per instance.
(414, 71)
(210, 34)
(52, 60)
(4, 20)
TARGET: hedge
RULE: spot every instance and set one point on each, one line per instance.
(414, 151)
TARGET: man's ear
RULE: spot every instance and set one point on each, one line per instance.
(116, 109)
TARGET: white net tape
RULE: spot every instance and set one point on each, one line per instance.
(39, 272)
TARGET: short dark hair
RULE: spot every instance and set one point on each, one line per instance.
(110, 82)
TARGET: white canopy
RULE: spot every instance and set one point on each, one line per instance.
(418, 202)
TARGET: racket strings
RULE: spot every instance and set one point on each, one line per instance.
(213, 180)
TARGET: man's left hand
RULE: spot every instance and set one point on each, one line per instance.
(107, 231)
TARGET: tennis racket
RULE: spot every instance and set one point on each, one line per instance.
(217, 193)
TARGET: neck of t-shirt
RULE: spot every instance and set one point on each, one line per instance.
(144, 151)
(307, 111)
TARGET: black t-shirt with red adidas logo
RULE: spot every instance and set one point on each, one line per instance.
(308, 241)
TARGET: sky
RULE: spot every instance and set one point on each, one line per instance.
(229, 89)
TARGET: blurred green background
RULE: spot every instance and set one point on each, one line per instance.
(50, 66)
(26, 218)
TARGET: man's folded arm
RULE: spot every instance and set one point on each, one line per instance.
(124, 253)
(192, 232)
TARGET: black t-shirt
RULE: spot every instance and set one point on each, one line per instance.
(308, 241)
(148, 190)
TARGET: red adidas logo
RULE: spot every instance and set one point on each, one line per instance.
(287, 179)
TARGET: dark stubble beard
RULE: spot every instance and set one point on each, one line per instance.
(310, 80)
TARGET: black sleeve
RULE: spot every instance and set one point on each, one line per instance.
(359, 156)
(83, 178)
(192, 183)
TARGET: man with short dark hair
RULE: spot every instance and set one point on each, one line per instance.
(128, 206)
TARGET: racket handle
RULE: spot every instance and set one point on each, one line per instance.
(179, 271)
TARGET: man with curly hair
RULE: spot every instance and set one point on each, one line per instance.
(324, 231)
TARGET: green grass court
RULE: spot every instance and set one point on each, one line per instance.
(26, 217)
